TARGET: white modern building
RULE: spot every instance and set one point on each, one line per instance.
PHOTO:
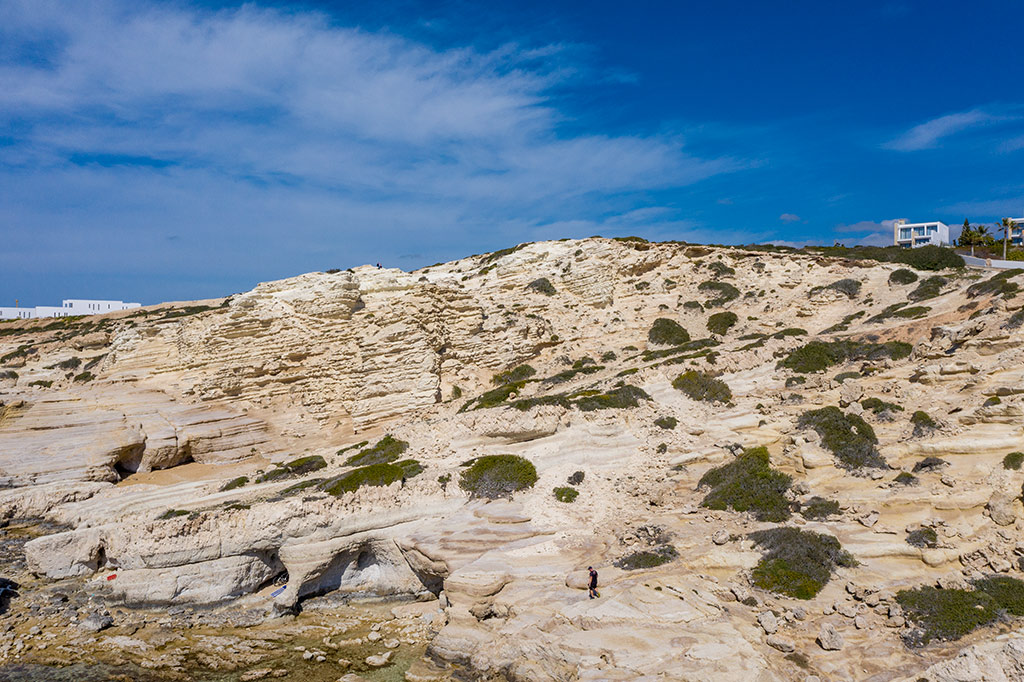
(1017, 231)
(912, 235)
(69, 307)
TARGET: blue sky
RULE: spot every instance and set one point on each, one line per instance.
(158, 151)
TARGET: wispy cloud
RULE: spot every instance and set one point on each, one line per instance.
(288, 138)
(930, 134)
(789, 218)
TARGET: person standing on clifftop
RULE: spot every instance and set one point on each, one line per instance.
(593, 582)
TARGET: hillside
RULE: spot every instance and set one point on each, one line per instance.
(772, 458)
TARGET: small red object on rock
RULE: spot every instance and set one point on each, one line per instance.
(111, 576)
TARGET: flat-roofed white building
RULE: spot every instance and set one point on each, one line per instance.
(1017, 231)
(68, 307)
(911, 235)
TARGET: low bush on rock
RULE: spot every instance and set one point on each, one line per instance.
(648, 558)
(901, 311)
(700, 386)
(667, 423)
(83, 378)
(905, 478)
(576, 478)
(542, 286)
(615, 399)
(386, 450)
(797, 563)
(999, 285)
(234, 483)
(301, 486)
(514, 375)
(695, 345)
(929, 464)
(928, 257)
(819, 509)
(877, 405)
(566, 494)
(720, 292)
(850, 438)
(381, 474)
(818, 355)
(923, 423)
(494, 476)
(355, 446)
(172, 513)
(748, 484)
(296, 467)
(848, 287)
(40, 382)
(902, 276)
(1014, 460)
(720, 323)
(843, 376)
(949, 614)
(720, 269)
(693, 305)
(1015, 320)
(844, 324)
(666, 332)
(922, 537)
(928, 288)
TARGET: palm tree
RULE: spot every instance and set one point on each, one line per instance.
(1007, 225)
(968, 237)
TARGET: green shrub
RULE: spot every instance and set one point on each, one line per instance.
(566, 494)
(789, 331)
(945, 614)
(172, 513)
(748, 483)
(720, 269)
(819, 509)
(923, 423)
(1008, 592)
(693, 305)
(989, 402)
(515, 375)
(700, 386)
(296, 467)
(235, 483)
(494, 397)
(797, 563)
(1015, 320)
(494, 476)
(608, 356)
(301, 486)
(720, 292)
(998, 284)
(542, 286)
(386, 450)
(695, 345)
(648, 558)
(69, 364)
(818, 355)
(616, 399)
(1013, 461)
(843, 376)
(850, 438)
(848, 287)
(666, 332)
(444, 480)
(844, 324)
(902, 276)
(929, 464)
(570, 374)
(576, 478)
(905, 478)
(928, 288)
(373, 475)
(928, 257)
(40, 382)
(901, 311)
(720, 323)
(795, 381)
(456, 392)
(923, 537)
(667, 423)
(877, 405)
(8, 374)
(83, 378)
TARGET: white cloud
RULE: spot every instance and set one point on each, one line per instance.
(928, 134)
(293, 136)
(789, 218)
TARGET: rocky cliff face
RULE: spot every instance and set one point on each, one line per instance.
(203, 454)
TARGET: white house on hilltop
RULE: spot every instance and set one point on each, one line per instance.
(912, 235)
(69, 307)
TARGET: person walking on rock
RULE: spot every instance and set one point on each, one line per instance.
(593, 582)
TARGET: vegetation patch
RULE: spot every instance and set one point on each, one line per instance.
(719, 293)
(356, 446)
(923, 537)
(795, 381)
(818, 355)
(386, 450)
(748, 484)
(1015, 320)
(234, 483)
(494, 476)
(296, 467)
(8, 374)
(83, 378)
(667, 423)
(923, 423)
(576, 477)
(689, 346)
(693, 305)
(1013, 461)
(819, 509)
(720, 269)
(928, 257)
(945, 614)
(905, 478)
(928, 288)
(877, 405)
(999, 285)
(172, 513)
(500, 253)
(566, 494)
(797, 563)
(902, 276)
(579, 367)
(848, 287)
(1008, 592)
(843, 376)
(373, 475)
(700, 386)
(789, 331)
(41, 382)
(666, 332)
(68, 365)
(850, 438)
(648, 558)
(514, 375)
(720, 323)
(542, 286)
(844, 324)
(929, 464)
(615, 399)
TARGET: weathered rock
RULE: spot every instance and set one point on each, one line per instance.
(829, 638)
(783, 644)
